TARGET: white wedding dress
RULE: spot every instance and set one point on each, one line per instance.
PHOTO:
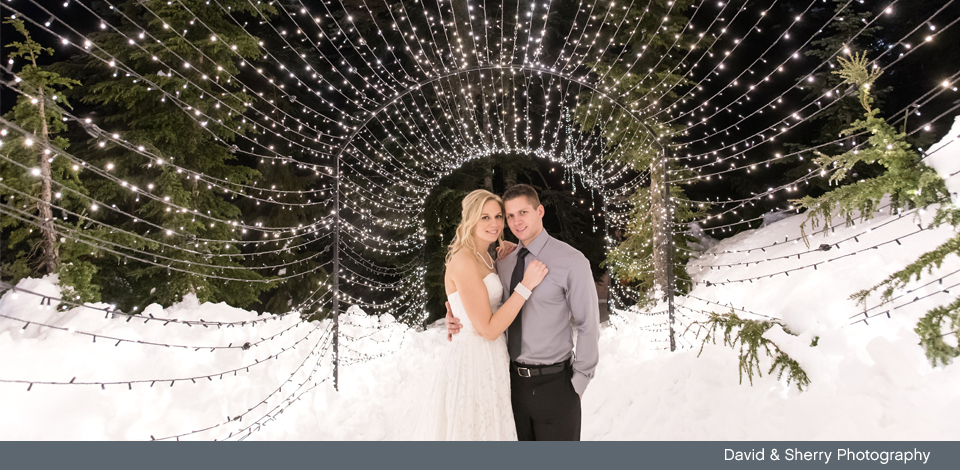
(470, 400)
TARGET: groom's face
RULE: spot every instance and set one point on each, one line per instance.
(524, 220)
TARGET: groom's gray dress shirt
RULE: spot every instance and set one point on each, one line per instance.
(567, 291)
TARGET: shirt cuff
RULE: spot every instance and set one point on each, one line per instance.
(580, 382)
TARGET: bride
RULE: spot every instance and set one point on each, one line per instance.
(471, 395)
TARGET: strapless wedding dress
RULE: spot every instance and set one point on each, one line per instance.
(470, 399)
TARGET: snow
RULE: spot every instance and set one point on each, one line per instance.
(773, 217)
(870, 381)
(944, 157)
(703, 241)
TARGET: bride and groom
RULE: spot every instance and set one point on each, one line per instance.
(527, 385)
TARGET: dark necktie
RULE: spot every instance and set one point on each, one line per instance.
(515, 330)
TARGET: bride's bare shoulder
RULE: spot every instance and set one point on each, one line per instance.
(460, 262)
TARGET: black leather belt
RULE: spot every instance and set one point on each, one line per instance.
(524, 370)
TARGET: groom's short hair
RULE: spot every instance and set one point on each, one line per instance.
(522, 190)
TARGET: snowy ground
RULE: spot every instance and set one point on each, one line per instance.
(216, 372)
(869, 381)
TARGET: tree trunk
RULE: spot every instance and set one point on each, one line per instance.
(510, 177)
(488, 175)
(51, 258)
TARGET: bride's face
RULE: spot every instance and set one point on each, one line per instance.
(490, 224)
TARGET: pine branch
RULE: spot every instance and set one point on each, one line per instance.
(854, 71)
(748, 335)
(931, 331)
(913, 271)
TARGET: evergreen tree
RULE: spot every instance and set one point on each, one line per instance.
(656, 35)
(907, 181)
(847, 32)
(631, 262)
(38, 114)
(298, 254)
(846, 27)
(165, 83)
(909, 184)
(38, 178)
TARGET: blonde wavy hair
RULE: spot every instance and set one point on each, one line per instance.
(469, 218)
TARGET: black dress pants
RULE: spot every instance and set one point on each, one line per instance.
(545, 408)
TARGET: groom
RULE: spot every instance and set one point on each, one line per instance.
(547, 379)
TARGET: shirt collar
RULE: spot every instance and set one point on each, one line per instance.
(537, 244)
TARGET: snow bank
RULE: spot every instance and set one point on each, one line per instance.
(100, 347)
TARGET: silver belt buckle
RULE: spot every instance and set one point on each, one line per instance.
(522, 370)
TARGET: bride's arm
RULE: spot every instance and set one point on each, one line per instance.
(476, 301)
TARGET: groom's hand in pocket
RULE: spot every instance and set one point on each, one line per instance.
(453, 324)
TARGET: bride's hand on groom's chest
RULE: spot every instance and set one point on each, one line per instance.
(553, 284)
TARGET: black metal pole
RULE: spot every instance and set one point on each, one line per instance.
(336, 278)
(606, 231)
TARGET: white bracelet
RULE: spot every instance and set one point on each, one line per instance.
(523, 291)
